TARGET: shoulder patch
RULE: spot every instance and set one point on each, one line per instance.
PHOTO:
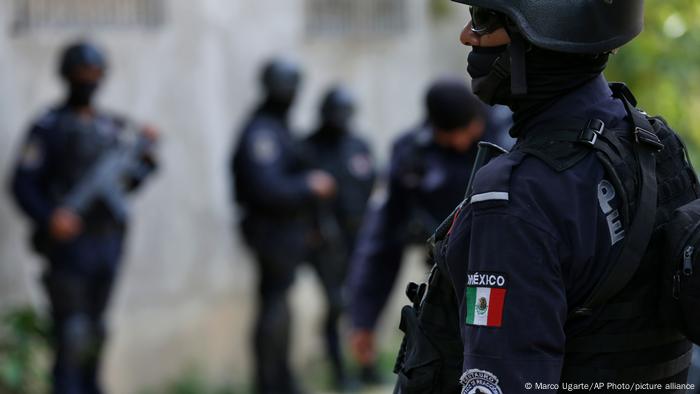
(360, 165)
(48, 119)
(32, 156)
(423, 137)
(265, 147)
(476, 381)
(492, 182)
(485, 298)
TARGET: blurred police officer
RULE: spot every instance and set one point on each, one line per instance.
(531, 252)
(82, 249)
(276, 192)
(335, 148)
(429, 169)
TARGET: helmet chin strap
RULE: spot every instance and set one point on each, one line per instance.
(518, 69)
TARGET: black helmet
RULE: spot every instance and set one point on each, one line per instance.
(338, 107)
(280, 79)
(81, 53)
(451, 104)
(572, 26)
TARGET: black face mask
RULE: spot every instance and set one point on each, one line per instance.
(551, 74)
(338, 119)
(333, 132)
(490, 86)
(481, 59)
(277, 106)
(548, 74)
(80, 94)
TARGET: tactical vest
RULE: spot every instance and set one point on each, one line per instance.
(625, 340)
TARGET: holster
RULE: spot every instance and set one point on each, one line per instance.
(430, 359)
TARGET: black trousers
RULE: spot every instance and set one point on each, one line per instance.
(332, 272)
(79, 282)
(78, 306)
(273, 374)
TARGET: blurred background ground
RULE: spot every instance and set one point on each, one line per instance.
(181, 316)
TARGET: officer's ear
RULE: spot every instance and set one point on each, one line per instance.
(476, 127)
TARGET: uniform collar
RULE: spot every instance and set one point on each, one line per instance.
(593, 100)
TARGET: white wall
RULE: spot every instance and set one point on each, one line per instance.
(185, 294)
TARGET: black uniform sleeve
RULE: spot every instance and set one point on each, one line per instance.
(512, 300)
(377, 257)
(28, 174)
(268, 180)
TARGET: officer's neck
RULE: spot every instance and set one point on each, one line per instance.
(590, 100)
(83, 111)
(330, 133)
(552, 76)
(275, 109)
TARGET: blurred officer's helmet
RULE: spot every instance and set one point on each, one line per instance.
(338, 107)
(81, 54)
(280, 79)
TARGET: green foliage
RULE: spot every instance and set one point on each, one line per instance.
(23, 352)
(439, 8)
(662, 66)
(192, 382)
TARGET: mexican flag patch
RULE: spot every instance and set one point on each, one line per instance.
(485, 298)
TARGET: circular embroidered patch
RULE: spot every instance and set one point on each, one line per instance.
(360, 165)
(476, 381)
(32, 154)
(265, 147)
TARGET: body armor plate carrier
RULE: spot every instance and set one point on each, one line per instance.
(626, 341)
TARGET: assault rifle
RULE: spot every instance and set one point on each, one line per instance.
(108, 179)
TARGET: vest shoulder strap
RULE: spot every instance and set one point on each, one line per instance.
(564, 144)
(492, 182)
(635, 244)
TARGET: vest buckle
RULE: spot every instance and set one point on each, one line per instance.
(676, 289)
(642, 136)
(589, 135)
(583, 311)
